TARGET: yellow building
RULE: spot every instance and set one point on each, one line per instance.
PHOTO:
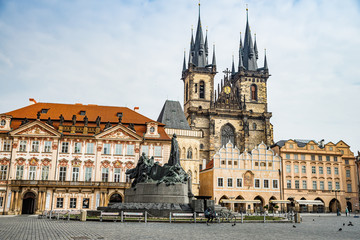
(253, 178)
(318, 177)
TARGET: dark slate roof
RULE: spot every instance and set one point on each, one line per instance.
(173, 116)
(299, 142)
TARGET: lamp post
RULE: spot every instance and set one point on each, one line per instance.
(337, 203)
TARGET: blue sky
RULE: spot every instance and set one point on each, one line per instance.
(129, 53)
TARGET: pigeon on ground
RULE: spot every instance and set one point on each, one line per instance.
(340, 229)
(313, 220)
(233, 224)
(343, 224)
(294, 226)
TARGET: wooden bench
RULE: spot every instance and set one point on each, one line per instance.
(140, 215)
(59, 214)
(182, 215)
(112, 215)
(74, 212)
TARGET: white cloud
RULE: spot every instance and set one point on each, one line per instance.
(129, 53)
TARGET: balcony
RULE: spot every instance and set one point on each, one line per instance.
(52, 183)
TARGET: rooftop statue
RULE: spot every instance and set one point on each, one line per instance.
(147, 170)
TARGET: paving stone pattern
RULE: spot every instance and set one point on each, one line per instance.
(324, 227)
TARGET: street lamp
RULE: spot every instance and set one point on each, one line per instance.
(337, 203)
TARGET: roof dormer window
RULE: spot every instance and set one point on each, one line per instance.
(44, 110)
(3, 122)
(82, 113)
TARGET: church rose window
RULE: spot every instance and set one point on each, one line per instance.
(227, 134)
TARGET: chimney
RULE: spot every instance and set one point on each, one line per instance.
(136, 109)
(32, 101)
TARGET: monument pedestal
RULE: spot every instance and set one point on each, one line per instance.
(154, 193)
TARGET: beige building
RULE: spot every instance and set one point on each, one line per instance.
(252, 178)
(72, 156)
(318, 177)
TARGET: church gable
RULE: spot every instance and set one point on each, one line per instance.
(119, 133)
(227, 96)
(36, 129)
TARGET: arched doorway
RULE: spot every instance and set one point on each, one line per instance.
(240, 207)
(290, 206)
(227, 205)
(333, 205)
(303, 207)
(115, 198)
(319, 208)
(28, 206)
(258, 207)
(271, 204)
(349, 206)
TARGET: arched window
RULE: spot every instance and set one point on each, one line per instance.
(202, 89)
(254, 92)
(189, 154)
(227, 134)
(254, 126)
(3, 122)
(187, 92)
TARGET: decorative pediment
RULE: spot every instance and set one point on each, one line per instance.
(119, 132)
(129, 165)
(33, 161)
(105, 164)
(4, 161)
(45, 162)
(63, 162)
(20, 161)
(76, 162)
(117, 164)
(89, 163)
(36, 129)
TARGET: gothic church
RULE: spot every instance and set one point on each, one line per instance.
(237, 110)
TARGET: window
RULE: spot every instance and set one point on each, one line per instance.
(32, 172)
(291, 146)
(220, 182)
(189, 154)
(296, 157)
(275, 183)
(227, 134)
(296, 168)
(90, 148)
(22, 147)
(313, 157)
(3, 122)
(297, 184)
(328, 170)
(349, 189)
(72, 202)
(59, 202)
(239, 182)
(254, 126)
(45, 173)
(320, 158)
(86, 202)
(347, 162)
(347, 173)
(257, 183)
(336, 171)
(312, 148)
(65, 147)
(19, 172)
(322, 185)
(44, 110)
(253, 92)
(1, 201)
(335, 159)
(337, 185)
(47, 146)
(202, 90)
(288, 168)
(196, 87)
(266, 183)
(328, 158)
(329, 185)
(157, 151)
(105, 174)
(314, 185)
(313, 169)
(106, 149)
(117, 174)
(287, 156)
(35, 146)
(62, 174)
(321, 170)
(229, 182)
(145, 149)
(130, 150)
(118, 149)
(75, 174)
(6, 146)
(330, 148)
(3, 172)
(342, 151)
(187, 92)
(304, 184)
(82, 113)
(302, 157)
(288, 183)
(77, 147)
(303, 169)
(88, 173)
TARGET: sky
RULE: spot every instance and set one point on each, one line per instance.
(130, 53)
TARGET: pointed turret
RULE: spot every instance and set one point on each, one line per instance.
(214, 59)
(192, 44)
(255, 48)
(248, 50)
(206, 47)
(241, 64)
(199, 56)
(265, 62)
(184, 63)
(233, 67)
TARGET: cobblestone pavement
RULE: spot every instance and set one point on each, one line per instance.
(323, 227)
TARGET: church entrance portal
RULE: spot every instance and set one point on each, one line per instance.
(115, 198)
(28, 206)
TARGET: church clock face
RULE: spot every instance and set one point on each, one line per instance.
(227, 89)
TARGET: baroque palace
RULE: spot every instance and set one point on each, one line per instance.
(74, 156)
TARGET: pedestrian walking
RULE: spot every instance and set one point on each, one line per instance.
(346, 211)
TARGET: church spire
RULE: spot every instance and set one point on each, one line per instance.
(233, 67)
(265, 62)
(241, 65)
(248, 51)
(214, 58)
(255, 48)
(206, 47)
(199, 56)
(184, 63)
